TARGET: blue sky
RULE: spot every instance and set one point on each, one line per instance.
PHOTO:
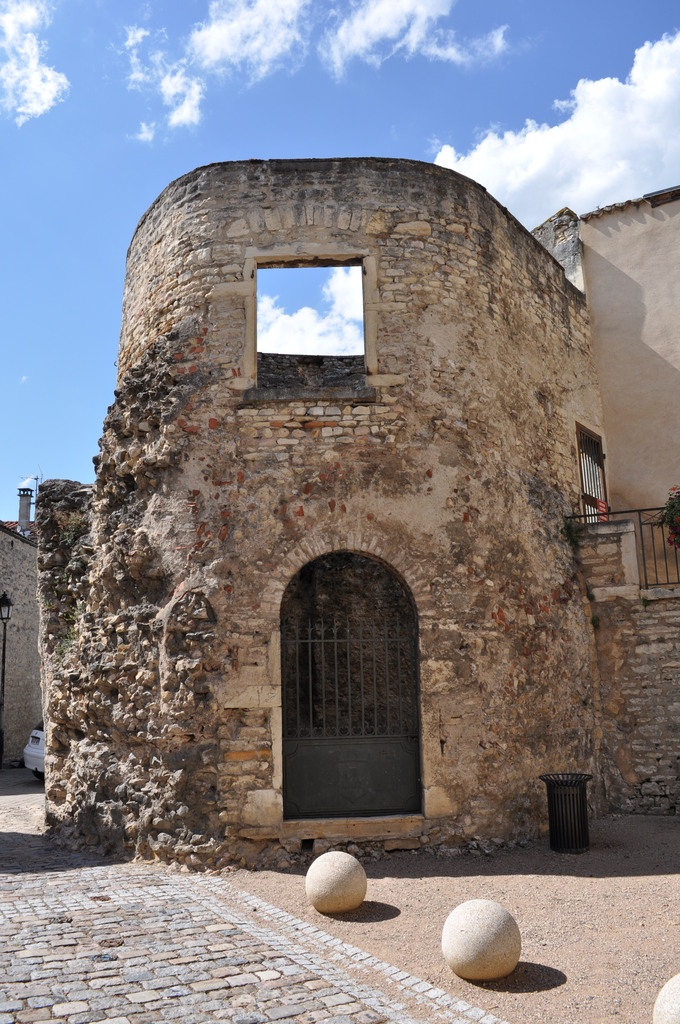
(104, 102)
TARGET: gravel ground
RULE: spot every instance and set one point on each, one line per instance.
(600, 931)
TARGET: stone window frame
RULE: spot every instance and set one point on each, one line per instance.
(300, 256)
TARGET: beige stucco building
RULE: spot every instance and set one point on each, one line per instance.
(631, 264)
(626, 258)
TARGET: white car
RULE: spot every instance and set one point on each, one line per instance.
(34, 752)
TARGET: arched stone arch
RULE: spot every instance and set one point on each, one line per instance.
(372, 545)
(350, 690)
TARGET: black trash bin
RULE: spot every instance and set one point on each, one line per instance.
(567, 811)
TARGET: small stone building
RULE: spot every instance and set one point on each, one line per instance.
(325, 598)
(19, 579)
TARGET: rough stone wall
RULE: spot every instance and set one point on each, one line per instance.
(637, 640)
(23, 699)
(453, 461)
(62, 524)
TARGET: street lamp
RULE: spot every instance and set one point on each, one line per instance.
(5, 616)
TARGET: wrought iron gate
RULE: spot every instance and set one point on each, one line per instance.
(350, 718)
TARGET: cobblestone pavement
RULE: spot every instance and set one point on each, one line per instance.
(87, 942)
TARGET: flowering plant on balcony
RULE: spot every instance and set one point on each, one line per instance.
(670, 515)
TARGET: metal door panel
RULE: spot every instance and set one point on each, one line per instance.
(326, 778)
(349, 693)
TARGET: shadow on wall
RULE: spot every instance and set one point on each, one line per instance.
(639, 386)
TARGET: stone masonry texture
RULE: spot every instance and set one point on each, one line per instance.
(450, 459)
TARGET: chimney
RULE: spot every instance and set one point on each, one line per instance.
(25, 496)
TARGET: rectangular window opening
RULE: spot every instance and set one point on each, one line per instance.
(310, 327)
(593, 483)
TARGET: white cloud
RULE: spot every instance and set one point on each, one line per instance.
(344, 293)
(256, 34)
(146, 132)
(475, 51)
(308, 331)
(183, 93)
(379, 28)
(179, 90)
(28, 87)
(139, 75)
(256, 38)
(135, 35)
(619, 140)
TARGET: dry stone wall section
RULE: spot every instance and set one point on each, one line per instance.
(451, 458)
(637, 675)
(639, 658)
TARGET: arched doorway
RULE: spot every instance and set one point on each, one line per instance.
(349, 671)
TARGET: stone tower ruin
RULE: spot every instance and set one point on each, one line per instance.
(324, 598)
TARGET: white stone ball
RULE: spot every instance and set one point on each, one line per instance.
(481, 941)
(667, 1005)
(335, 882)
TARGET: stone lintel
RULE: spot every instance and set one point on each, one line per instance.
(322, 254)
(341, 829)
(385, 827)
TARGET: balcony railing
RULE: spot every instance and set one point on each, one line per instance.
(659, 561)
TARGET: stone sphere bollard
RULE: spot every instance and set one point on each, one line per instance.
(481, 941)
(335, 882)
(667, 1005)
